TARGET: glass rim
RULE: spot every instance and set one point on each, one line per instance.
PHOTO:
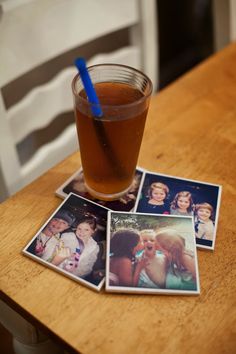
(140, 100)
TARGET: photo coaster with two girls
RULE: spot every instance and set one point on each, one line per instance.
(73, 241)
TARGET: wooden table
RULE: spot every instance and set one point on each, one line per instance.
(190, 132)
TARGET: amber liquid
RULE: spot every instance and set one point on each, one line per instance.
(110, 145)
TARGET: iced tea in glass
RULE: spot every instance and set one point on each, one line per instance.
(110, 144)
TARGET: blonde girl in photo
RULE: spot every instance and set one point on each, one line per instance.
(179, 262)
(153, 273)
(157, 199)
(182, 204)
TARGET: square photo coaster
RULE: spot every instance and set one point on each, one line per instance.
(168, 195)
(151, 254)
(75, 184)
(73, 241)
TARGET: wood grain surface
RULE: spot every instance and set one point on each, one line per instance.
(190, 132)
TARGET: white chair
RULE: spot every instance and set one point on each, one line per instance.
(33, 32)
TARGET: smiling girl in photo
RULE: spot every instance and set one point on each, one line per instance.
(84, 249)
(182, 204)
(157, 199)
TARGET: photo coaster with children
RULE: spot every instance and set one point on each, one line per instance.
(168, 195)
(149, 253)
(73, 241)
(75, 184)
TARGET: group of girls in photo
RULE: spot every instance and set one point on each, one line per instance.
(69, 243)
(156, 259)
(157, 202)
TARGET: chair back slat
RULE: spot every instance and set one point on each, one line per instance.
(42, 105)
(49, 154)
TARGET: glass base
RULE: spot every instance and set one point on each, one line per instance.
(106, 197)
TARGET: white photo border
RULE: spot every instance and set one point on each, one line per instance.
(136, 290)
(147, 172)
(54, 267)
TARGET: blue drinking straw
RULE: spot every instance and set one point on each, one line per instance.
(88, 86)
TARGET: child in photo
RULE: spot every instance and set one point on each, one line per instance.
(132, 192)
(157, 200)
(124, 245)
(153, 273)
(77, 186)
(204, 226)
(179, 262)
(182, 204)
(147, 235)
(50, 237)
(83, 248)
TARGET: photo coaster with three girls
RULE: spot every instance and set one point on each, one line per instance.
(145, 242)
